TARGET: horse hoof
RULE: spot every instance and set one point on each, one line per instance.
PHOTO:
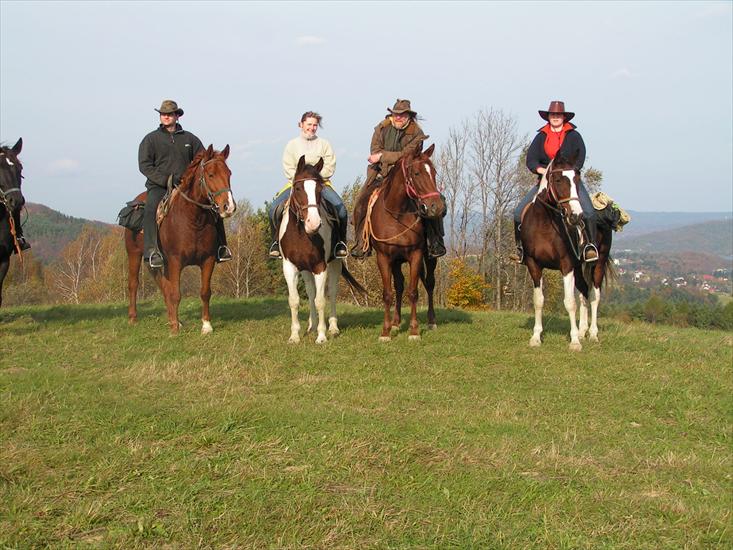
(594, 338)
(384, 338)
(413, 337)
(206, 328)
(535, 342)
(334, 331)
(294, 340)
(321, 339)
(575, 346)
(132, 321)
(432, 326)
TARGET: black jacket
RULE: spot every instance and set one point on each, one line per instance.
(571, 146)
(162, 154)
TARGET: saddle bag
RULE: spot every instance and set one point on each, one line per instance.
(131, 216)
(609, 213)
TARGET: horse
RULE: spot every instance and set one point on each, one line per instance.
(11, 201)
(187, 234)
(395, 231)
(306, 246)
(549, 233)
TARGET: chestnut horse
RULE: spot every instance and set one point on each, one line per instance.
(550, 231)
(307, 248)
(395, 229)
(187, 234)
(11, 201)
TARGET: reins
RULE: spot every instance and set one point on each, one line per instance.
(205, 188)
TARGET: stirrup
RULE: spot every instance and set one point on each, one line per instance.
(274, 252)
(517, 256)
(340, 250)
(23, 244)
(436, 251)
(223, 254)
(592, 251)
(155, 261)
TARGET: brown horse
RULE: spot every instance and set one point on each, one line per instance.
(11, 201)
(187, 234)
(550, 235)
(306, 244)
(396, 232)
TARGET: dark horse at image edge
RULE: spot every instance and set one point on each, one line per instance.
(11, 202)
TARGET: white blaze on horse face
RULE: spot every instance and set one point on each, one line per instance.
(231, 205)
(430, 173)
(575, 203)
(312, 219)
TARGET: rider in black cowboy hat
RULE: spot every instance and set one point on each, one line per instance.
(557, 136)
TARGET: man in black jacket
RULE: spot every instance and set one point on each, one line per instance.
(164, 154)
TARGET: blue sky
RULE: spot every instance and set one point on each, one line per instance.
(651, 84)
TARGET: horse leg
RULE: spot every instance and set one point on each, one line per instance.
(568, 282)
(415, 267)
(334, 273)
(538, 299)
(428, 280)
(173, 295)
(207, 269)
(582, 315)
(387, 296)
(4, 265)
(133, 244)
(594, 301)
(321, 280)
(399, 286)
(291, 278)
(310, 289)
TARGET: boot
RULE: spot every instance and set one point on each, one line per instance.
(274, 252)
(22, 243)
(435, 245)
(518, 256)
(340, 250)
(590, 252)
(357, 251)
(155, 259)
(223, 254)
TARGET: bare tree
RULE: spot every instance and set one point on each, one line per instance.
(79, 259)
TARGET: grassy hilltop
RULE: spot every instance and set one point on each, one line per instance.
(119, 436)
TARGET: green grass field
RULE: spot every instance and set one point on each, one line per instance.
(120, 436)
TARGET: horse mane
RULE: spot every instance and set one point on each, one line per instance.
(189, 173)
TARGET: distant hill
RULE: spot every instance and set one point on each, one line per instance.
(712, 237)
(649, 222)
(49, 231)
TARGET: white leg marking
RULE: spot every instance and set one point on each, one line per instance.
(568, 282)
(321, 304)
(595, 300)
(206, 327)
(539, 301)
(310, 289)
(334, 274)
(291, 278)
(583, 316)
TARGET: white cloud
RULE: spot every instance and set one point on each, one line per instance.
(62, 167)
(310, 40)
(622, 73)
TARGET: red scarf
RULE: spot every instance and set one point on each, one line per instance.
(553, 140)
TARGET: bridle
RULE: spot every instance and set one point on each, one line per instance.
(211, 195)
(295, 206)
(553, 192)
(410, 186)
(5, 192)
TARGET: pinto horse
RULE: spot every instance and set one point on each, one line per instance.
(11, 201)
(187, 234)
(549, 233)
(395, 229)
(306, 244)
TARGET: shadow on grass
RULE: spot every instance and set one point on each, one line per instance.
(372, 318)
(550, 324)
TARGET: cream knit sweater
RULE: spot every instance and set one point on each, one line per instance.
(313, 150)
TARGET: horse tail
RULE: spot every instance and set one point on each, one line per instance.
(609, 272)
(352, 282)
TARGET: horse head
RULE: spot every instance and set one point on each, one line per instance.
(214, 180)
(305, 195)
(10, 176)
(562, 188)
(420, 183)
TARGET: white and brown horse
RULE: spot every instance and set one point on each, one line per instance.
(548, 232)
(306, 246)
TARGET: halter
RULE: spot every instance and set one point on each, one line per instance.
(410, 187)
(293, 203)
(204, 187)
(553, 193)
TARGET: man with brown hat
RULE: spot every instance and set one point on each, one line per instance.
(557, 137)
(397, 135)
(164, 155)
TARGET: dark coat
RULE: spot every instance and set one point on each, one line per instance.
(410, 140)
(162, 154)
(572, 145)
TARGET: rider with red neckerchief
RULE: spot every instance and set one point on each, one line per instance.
(397, 135)
(557, 136)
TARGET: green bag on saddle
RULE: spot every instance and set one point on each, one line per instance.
(609, 213)
(131, 216)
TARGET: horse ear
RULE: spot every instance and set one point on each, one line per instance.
(319, 164)
(210, 150)
(225, 152)
(301, 163)
(18, 147)
(429, 151)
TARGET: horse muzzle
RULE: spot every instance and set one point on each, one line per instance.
(431, 209)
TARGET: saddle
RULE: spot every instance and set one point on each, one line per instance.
(165, 203)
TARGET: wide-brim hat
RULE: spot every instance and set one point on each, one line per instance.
(556, 108)
(402, 106)
(169, 106)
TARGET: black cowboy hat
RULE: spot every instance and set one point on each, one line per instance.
(557, 108)
(169, 106)
(402, 106)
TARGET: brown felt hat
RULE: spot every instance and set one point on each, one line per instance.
(402, 106)
(169, 106)
(557, 108)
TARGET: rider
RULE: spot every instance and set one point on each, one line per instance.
(558, 135)
(164, 155)
(397, 135)
(314, 148)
